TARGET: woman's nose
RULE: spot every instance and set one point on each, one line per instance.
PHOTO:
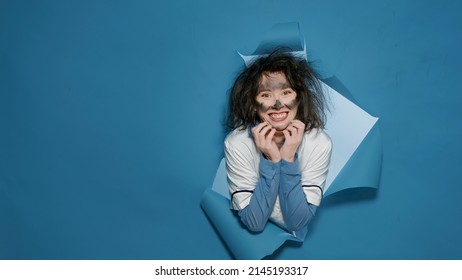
(277, 105)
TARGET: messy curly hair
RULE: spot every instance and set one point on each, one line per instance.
(301, 77)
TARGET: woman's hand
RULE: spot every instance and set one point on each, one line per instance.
(293, 135)
(263, 136)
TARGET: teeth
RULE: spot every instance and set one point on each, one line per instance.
(278, 116)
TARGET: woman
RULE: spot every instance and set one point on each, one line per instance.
(277, 154)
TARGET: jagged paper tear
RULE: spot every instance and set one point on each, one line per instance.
(356, 159)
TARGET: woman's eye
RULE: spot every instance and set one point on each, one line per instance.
(287, 92)
(264, 95)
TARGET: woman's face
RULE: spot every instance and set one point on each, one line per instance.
(276, 100)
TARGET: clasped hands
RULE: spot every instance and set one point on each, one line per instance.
(265, 140)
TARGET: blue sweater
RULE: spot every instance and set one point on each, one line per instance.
(281, 178)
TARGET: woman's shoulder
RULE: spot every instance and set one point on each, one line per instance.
(239, 136)
(318, 135)
(317, 138)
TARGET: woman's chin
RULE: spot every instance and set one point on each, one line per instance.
(280, 130)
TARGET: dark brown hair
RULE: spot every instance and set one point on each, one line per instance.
(301, 77)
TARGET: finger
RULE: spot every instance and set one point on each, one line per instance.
(286, 133)
(266, 121)
(271, 134)
(259, 127)
(256, 131)
(264, 132)
(261, 137)
(298, 124)
(292, 130)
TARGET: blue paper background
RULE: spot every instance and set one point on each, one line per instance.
(111, 111)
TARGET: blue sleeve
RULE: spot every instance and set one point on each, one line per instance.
(296, 210)
(256, 214)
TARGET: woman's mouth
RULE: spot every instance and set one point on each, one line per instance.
(277, 117)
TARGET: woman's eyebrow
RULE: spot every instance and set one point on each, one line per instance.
(286, 86)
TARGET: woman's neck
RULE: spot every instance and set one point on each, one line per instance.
(279, 138)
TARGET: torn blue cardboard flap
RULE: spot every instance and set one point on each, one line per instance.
(356, 159)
